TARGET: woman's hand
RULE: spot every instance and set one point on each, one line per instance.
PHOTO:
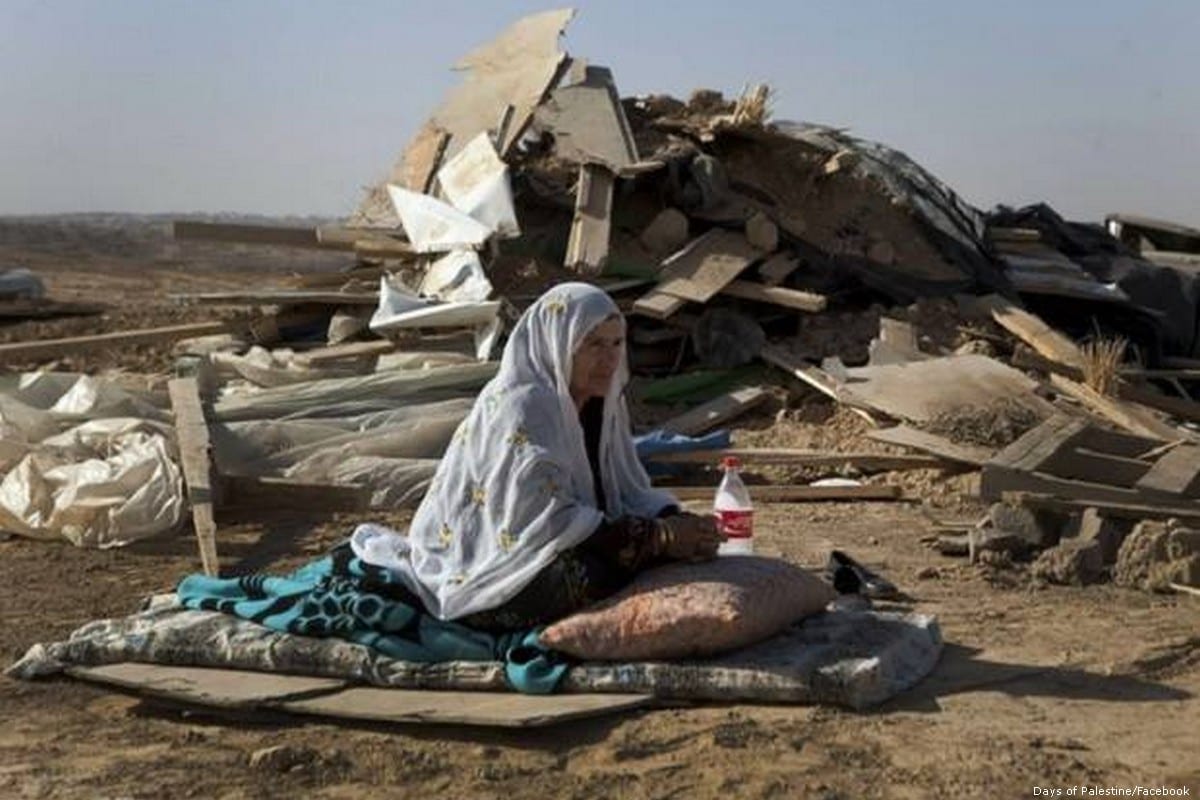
(689, 537)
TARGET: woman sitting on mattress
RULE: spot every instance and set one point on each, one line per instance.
(540, 506)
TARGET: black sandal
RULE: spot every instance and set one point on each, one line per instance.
(851, 577)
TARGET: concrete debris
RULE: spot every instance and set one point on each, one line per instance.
(1157, 554)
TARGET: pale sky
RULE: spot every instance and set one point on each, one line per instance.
(274, 107)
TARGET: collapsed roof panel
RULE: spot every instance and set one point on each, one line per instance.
(504, 81)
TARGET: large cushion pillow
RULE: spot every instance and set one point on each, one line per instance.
(686, 610)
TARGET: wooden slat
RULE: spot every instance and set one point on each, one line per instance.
(54, 348)
(1082, 464)
(940, 446)
(706, 265)
(777, 295)
(657, 305)
(814, 377)
(1176, 473)
(793, 494)
(194, 453)
(493, 709)
(1127, 415)
(217, 688)
(587, 249)
(871, 462)
(1175, 406)
(1033, 331)
(278, 297)
(1137, 509)
(717, 411)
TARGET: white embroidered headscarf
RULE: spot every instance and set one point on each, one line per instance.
(514, 488)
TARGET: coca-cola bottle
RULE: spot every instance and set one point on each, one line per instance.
(734, 513)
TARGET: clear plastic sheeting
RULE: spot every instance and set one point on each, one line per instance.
(85, 460)
(269, 368)
(394, 452)
(343, 397)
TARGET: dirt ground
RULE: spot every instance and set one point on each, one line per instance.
(1049, 687)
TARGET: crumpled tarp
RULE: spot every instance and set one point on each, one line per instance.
(1170, 295)
(84, 460)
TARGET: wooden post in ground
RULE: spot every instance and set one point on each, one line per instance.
(194, 453)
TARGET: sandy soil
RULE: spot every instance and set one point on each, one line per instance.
(1039, 686)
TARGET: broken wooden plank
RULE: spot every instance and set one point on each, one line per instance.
(1175, 406)
(587, 248)
(776, 268)
(1175, 473)
(195, 455)
(343, 352)
(777, 295)
(755, 456)
(216, 688)
(503, 80)
(242, 493)
(495, 709)
(814, 377)
(1136, 509)
(657, 305)
(45, 349)
(1030, 329)
(1127, 415)
(940, 446)
(277, 297)
(717, 411)
(706, 265)
(793, 494)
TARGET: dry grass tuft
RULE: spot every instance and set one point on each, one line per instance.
(754, 105)
(1101, 363)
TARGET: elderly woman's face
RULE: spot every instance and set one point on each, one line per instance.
(596, 360)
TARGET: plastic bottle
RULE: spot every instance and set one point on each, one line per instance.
(734, 512)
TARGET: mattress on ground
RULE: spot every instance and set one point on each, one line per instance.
(846, 658)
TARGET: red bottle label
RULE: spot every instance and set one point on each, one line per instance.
(736, 524)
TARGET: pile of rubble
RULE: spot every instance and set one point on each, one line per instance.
(1056, 359)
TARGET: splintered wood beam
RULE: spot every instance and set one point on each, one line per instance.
(194, 453)
(47, 349)
(587, 248)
